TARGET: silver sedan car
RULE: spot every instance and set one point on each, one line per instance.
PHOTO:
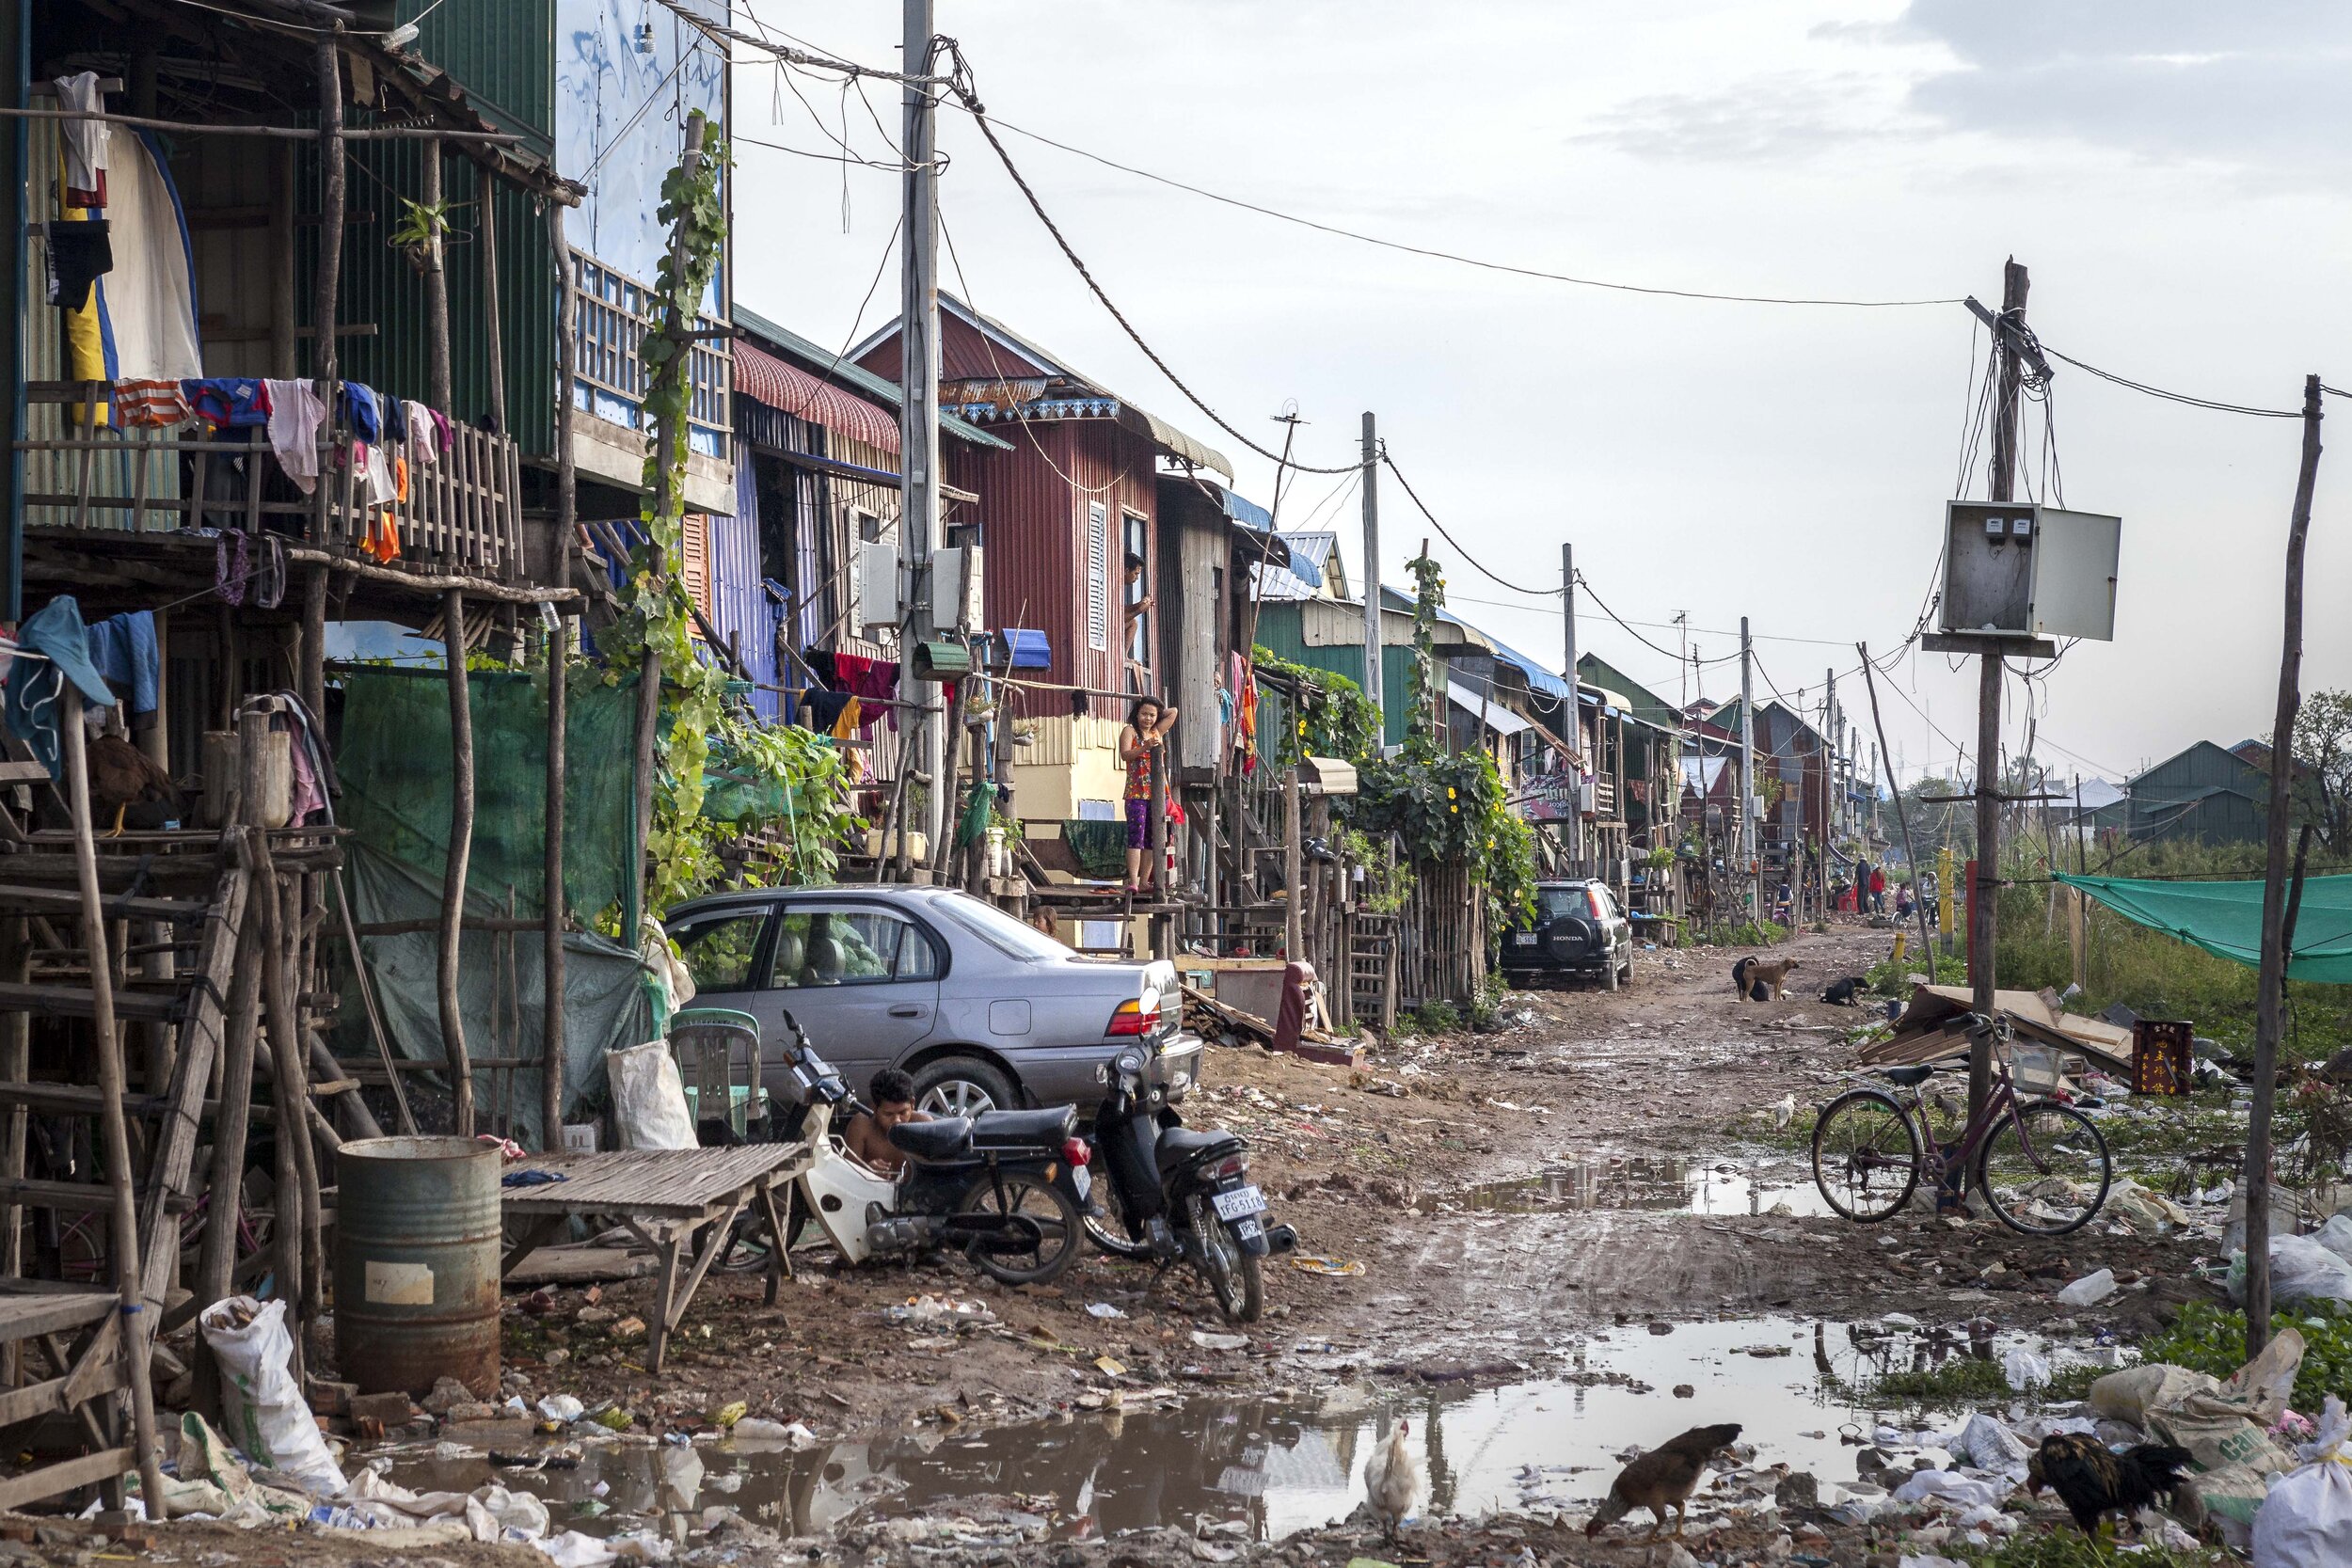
(985, 1012)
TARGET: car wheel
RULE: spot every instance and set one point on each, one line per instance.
(961, 1087)
(1608, 976)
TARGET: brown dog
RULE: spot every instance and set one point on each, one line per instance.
(1772, 976)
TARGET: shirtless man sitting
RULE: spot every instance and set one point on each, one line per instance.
(869, 1133)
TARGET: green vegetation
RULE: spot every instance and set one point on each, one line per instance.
(1335, 718)
(1433, 1017)
(2206, 1338)
(1960, 1381)
(1893, 979)
(2067, 1547)
(1754, 933)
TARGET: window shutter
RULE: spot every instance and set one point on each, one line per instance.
(1098, 576)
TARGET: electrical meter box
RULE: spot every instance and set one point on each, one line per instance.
(2014, 569)
(876, 584)
(956, 589)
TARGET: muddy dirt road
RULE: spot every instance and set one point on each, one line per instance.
(1602, 1159)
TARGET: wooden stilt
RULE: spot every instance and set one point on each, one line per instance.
(551, 957)
(460, 852)
(107, 1045)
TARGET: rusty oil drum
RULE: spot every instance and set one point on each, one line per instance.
(417, 1248)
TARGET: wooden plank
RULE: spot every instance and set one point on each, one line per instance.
(50, 899)
(202, 1037)
(78, 1002)
(73, 1196)
(25, 1316)
(72, 1100)
(52, 1479)
(654, 1184)
(100, 1369)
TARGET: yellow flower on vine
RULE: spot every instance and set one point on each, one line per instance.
(1448, 792)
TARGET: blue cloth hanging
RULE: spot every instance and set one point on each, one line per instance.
(36, 685)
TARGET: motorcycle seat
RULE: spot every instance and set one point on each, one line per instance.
(1041, 1130)
(947, 1138)
(1185, 1143)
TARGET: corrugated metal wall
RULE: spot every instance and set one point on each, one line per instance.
(1278, 633)
(381, 288)
(740, 608)
(504, 54)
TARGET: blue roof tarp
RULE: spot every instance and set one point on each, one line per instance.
(1026, 648)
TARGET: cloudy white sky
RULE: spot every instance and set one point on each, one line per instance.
(2175, 173)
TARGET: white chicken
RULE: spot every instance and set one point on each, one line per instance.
(1391, 1481)
(1784, 1111)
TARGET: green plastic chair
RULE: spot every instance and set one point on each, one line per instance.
(717, 1052)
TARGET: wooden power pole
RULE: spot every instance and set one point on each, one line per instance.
(2271, 989)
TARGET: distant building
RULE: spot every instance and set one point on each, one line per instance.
(2204, 794)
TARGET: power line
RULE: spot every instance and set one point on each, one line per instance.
(1391, 464)
(2175, 396)
(1455, 256)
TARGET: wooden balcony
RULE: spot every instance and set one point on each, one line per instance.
(462, 515)
(613, 312)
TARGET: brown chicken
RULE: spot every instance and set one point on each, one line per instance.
(2092, 1481)
(1663, 1478)
(123, 776)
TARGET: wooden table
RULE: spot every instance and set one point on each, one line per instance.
(664, 1196)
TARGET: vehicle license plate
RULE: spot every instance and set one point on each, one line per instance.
(1525, 939)
(1083, 1180)
(1240, 1201)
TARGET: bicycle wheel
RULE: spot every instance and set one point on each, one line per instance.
(2045, 1170)
(1866, 1155)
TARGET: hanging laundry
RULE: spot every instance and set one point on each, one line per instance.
(400, 479)
(232, 564)
(79, 254)
(122, 649)
(361, 412)
(294, 412)
(36, 685)
(441, 435)
(396, 421)
(424, 437)
(157, 403)
(846, 725)
(141, 321)
(874, 679)
(376, 471)
(269, 571)
(83, 142)
(821, 710)
(228, 402)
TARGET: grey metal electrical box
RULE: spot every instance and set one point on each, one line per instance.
(2014, 569)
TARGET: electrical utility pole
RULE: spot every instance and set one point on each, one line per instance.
(1372, 567)
(919, 390)
(1576, 704)
(2277, 914)
(2010, 338)
(1747, 773)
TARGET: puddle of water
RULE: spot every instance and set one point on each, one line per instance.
(1271, 1467)
(1718, 1187)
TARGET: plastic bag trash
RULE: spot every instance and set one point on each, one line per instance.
(2091, 1289)
(2306, 1519)
(1307, 1263)
(514, 1511)
(266, 1415)
(1963, 1492)
(1220, 1341)
(758, 1428)
(2301, 1269)
(572, 1549)
(2132, 1393)
(565, 1408)
(1926, 1560)
(936, 1311)
(648, 1097)
(1991, 1446)
(2336, 1236)
(1102, 1309)
(2024, 1370)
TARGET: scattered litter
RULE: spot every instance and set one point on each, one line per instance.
(2024, 1370)
(1991, 1446)
(1326, 1266)
(2306, 1519)
(564, 1408)
(2091, 1289)
(1102, 1309)
(758, 1429)
(1111, 1366)
(729, 1415)
(1220, 1341)
(936, 1311)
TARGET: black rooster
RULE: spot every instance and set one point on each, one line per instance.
(2094, 1482)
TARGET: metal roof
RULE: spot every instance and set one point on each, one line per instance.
(1109, 405)
(826, 365)
(1288, 560)
(1486, 708)
(764, 378)
(1308, 551)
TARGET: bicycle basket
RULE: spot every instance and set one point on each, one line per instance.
(2036, 1070)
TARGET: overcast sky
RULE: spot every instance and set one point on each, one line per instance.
(2175, 173)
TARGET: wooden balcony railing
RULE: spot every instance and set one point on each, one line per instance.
(463, 514)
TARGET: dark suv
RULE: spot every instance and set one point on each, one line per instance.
(1579, 931)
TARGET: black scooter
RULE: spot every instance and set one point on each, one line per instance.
(1173, 1193)
(1005, 1187)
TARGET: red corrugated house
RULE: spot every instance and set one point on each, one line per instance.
(1069, 521)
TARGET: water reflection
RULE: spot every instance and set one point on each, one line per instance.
(1659, 1182)
(1268, 1467)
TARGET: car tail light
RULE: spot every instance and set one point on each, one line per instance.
(1076, 1152)
(1592, 896)
(1133, 1017)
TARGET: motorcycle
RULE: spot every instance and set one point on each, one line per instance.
(1171, 1194)
(1006, 1187)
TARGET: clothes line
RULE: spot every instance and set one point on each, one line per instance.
(283, 132)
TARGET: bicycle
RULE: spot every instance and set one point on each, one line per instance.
(2041, 1165)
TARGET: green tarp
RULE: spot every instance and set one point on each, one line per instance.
(394, 767)
(2225, 919)
(394, 762)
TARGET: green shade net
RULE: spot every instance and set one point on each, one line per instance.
(2226, 919)
(394, 765)
(394, 762)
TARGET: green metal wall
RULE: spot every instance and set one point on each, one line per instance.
(1278, 633)
(502, 54)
